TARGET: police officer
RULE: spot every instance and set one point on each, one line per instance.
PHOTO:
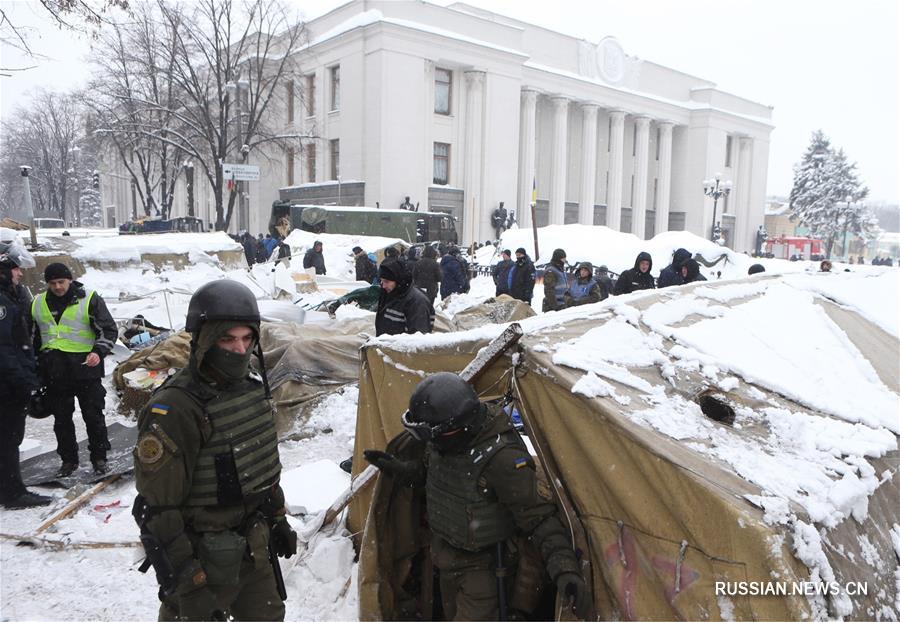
(207, 471)
(481, 490)
(556, 282)
(18, 381)
(75, 332)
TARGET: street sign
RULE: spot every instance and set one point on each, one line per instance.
(240, 172)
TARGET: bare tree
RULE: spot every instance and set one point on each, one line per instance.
(227, 50)
(134, 96)
(44, 135)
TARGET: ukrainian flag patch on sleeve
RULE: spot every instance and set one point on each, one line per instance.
(521, 462)
(159, 409)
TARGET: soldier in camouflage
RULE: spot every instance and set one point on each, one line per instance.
(481, 490)
(209, 505)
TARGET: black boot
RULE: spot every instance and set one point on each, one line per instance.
(67, 469)
(101, 467)
(27, 500)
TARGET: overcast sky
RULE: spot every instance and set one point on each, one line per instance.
(829, 64)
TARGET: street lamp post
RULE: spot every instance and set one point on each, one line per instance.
(716, 189)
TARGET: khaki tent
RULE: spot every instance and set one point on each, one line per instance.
(660, 516)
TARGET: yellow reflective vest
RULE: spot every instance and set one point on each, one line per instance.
(73, 332)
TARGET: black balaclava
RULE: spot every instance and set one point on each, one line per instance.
(464, 435)
(216, 364)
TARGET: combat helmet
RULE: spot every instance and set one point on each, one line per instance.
(439, 404)
(221, 300)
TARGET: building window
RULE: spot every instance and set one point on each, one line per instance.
(658, 134)
(335, 158)
(441, 164)
(311, 95)
(728, 144)
(290, 166)
(443, 81)
(290, 100)
(311, 162)
(336, 87)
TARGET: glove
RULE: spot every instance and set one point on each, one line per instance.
(284, 539)
(199, 604)
(406, 472)
(574, 593)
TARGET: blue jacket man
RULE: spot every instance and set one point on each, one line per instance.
(453, 274)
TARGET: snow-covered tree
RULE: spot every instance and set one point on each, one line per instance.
(827, 194)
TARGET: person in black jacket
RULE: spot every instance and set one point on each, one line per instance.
(75, 332)
(690, 272)
(607, 285)
(402, 308)
(671, 274)
(314, 258)
(500, 272)
(520, 278)
(426, 273)
(453, 273)
(637, 277)
(365, 267)
(18, 381)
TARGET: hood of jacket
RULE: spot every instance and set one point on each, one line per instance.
(679, 257)
(643, 255)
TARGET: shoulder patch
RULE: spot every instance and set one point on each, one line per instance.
(159, 409)
(149, 449)
(521, 462)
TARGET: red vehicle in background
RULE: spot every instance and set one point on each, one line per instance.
(795, 248)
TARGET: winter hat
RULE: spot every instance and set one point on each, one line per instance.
(454, 250)
(558, 255)
(521, 250)
(391, 251)
(357, 250)
(57, 271)
(506, 252)
(603, 269)
(392, 270)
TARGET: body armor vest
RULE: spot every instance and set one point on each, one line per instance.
(240, 458)
(562, 283)
(579, 290)
(462, 510)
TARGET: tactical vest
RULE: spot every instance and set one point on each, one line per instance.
(579, 290)
(73, 332)
(240, 458)
(562, 283)
(461, 511)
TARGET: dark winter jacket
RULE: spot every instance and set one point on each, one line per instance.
(633, 279)
(693, 271)
(556, 283)
(453, 275)
(427, 276)
(270, 244)
(250, 249)
(500, 272)
(365, 268)
(405, 309)
(520, 279)
(17, 366)
(314, 259)
(55, 365)
(671, 274)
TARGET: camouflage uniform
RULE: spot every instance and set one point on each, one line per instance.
(207, 468)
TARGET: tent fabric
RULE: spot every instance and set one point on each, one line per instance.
(663, 520)
(499, 310)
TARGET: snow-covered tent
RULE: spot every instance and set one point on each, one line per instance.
(739, 436)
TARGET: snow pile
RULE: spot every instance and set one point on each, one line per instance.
(129, 248)
(312, 487)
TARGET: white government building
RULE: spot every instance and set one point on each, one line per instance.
(460, 109)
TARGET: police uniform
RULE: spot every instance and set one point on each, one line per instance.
(69, 328)
(207, 474)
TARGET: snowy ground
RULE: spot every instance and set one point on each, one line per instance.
(78, 583)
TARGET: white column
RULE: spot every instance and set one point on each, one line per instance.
(588, 164)
(474, 153)
(616, 153)
(427, 134)
(526, 155)
(664, 177)
(741, 209)
(641, 153)
(558, 167)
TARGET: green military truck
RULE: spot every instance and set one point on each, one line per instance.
(351, 220)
